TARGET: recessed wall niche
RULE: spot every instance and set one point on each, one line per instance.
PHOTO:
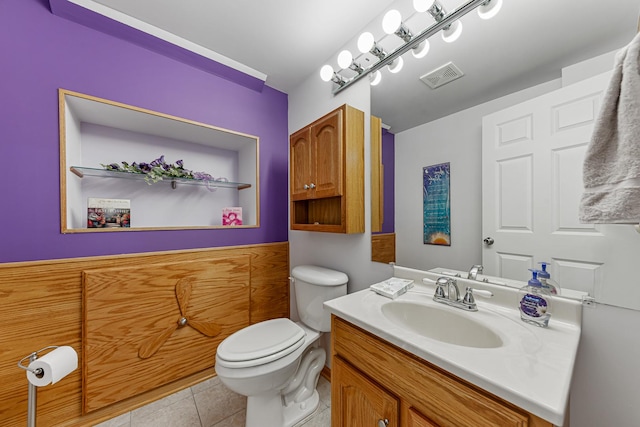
(96, 132)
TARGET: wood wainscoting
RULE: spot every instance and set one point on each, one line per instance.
(42, 305)
(383, 247)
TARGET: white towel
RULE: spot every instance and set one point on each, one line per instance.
(611, 173)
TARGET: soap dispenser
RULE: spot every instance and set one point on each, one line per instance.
(535, 302)
(545, 278)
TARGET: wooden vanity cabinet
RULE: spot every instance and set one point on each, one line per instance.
(371, 374)
(327, 173)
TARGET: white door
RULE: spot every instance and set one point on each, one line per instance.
(532, 157)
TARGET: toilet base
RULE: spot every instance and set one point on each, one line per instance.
(268, 411)
(296, 412)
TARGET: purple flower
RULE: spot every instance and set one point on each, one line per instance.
(180, 164)
(159, 161)
(145, 167)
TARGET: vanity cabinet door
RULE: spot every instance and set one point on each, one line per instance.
(301, 167)
(326, 137)
(359, 402)
(416, 419)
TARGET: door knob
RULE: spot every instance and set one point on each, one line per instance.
(488, 241)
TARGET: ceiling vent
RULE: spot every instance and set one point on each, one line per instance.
(441, 76)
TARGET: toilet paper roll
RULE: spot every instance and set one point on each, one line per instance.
(55, 365)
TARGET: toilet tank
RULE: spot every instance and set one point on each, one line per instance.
(313, 286)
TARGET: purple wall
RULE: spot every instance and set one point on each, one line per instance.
(41, 52)
(388, 160)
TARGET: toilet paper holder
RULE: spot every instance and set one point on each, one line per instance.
(38, 372)
(33, 356)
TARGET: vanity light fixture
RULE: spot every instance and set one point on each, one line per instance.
(421, 50)
(489, 9)
(418, 44)
(345, 60)
(396, 65)
(451, 32)
(367, 44)
(376, 77)
(327, 74)
(392, 24)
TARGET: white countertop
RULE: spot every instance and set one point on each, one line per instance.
(533, 368)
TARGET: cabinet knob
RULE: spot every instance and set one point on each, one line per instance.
(383, 423)
(312, 185)
(306, 187)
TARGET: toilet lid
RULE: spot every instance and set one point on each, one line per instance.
(262, 342)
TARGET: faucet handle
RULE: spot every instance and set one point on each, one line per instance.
(468, 297)
(440, 285)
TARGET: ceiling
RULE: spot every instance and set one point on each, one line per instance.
(527, 43)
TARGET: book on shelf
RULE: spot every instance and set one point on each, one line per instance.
(108, 213)
(232, 216)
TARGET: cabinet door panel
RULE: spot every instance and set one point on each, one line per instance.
(416, 419)
(359, 402)
(327, 145)
(300, 153)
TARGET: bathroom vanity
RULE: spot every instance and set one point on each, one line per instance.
(413, 362)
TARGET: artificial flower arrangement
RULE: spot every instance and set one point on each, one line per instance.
(158, 169)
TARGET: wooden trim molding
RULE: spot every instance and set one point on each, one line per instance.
(42, 305)
(383, 247)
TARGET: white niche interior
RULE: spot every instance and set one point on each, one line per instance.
(96, 131)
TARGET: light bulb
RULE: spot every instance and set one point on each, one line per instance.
(326, 73)
(344, 59)
(365, 42)
(421, 50)
(421, 5)
(375, 78)
(489, 9)
(396, 65)
(391, 21)
(452, 33)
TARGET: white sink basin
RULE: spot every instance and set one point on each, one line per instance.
(441, 323)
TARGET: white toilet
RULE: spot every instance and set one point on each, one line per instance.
(276, 363)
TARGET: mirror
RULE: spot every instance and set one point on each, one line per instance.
(453, 132)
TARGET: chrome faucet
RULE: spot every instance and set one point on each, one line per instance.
(473, 273)
(447, 292)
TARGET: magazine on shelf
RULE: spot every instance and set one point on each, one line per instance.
(108, 213)
(232, 216)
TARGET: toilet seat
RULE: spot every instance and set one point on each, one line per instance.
(260, 343)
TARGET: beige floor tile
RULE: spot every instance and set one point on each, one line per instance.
(236, 420)
(204, 385)
(179, 413)
(123, 420)
(218, 403)
(324, 390)
(321, 418)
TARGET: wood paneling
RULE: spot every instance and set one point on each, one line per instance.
(383, 247)
(42, 305)
(126, 307)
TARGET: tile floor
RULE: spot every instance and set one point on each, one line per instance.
(209, 404)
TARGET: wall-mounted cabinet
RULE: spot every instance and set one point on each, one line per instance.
(96, 132)
(327, 173)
